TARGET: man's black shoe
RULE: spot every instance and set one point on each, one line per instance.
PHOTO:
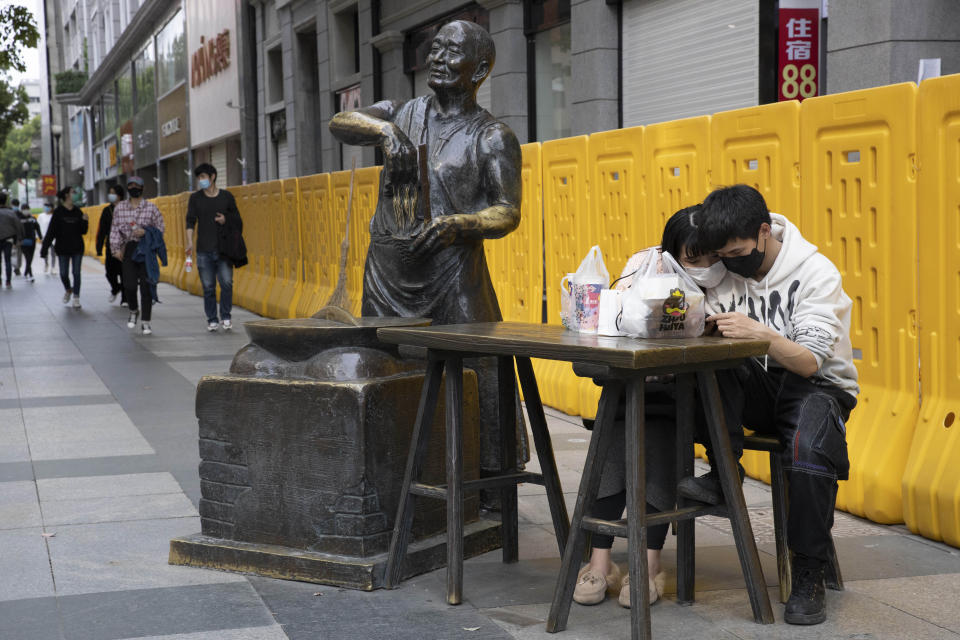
(806, 604)
(706, 488)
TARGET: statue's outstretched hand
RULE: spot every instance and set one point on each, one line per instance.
(400, 157)
(438, 234)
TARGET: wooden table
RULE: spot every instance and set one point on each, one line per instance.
(621, 365)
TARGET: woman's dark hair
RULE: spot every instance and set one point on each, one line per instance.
(730, 213)
(207, 168)
(680, 236)
(119, 190)
(63, 193)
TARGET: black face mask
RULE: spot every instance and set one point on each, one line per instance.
(748, 265)
(134, 192)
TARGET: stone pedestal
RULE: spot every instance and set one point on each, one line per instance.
(302, 463)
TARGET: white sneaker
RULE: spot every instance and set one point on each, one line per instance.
(76, 302)
(213, 326)
(227, 325)
(113, 297)
(132, 320)
(66, 297)
(145, 327)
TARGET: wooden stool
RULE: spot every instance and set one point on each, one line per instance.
(506, 481)
(779, 488)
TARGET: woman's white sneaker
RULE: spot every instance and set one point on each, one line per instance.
(145, 327)
(213, 326)
(76, 302)
(132, 320)
(227, 325)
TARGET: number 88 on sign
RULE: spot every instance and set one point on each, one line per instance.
(799, 49)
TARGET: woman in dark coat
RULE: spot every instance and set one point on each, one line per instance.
(114, 268)
(67, 227)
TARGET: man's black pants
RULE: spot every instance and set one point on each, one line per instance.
(134, 275)
(810, 419)
(114, 273)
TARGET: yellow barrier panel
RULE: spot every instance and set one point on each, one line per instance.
(568, 235)
(93, 221)
(516, 261)
(163, 206)
(286, 257)
(255, 203)
(174, 239)
(320, 243)
(931, 482)
(760, 146)
(677, 156)
(366, 189)
(859, 202)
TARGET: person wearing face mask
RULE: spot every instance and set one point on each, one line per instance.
(31, 233)
(44, 220)
(133, 219)
(11, 232)
(601, 576)
(778, 287)
(67, 228)
(213, 211)
(113, 267)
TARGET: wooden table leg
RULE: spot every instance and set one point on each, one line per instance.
(589, 485)
(544, 447)
(418, 449)
(637, 512)
(733, 495)
(686, 537)
(507, 413)
(454, 410)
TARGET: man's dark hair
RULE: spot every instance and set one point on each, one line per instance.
(730, 213)
(15, 203)
(63, 193)
(3, 199)
(680, 237)
(207, 168)
(25, 206)
(119, 190)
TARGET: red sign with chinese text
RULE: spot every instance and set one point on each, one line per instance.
(48, 184)
(799, 53)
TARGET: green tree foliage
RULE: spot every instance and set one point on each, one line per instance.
(18, 32)
(20, 147)
(13, 107)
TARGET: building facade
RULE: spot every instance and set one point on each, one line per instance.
(251, 85)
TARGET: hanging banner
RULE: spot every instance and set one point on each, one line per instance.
(798, 45)
(48, 185)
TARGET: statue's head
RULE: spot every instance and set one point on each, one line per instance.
(461, 58)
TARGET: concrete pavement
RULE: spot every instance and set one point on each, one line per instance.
(98, 470)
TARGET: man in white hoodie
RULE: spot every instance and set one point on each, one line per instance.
(778, 287)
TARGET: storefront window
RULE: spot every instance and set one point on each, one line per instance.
(143, 68)
(548, 30)
(171, 55)
(125, 95)
(109, 112)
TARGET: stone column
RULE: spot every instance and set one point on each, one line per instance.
(594, 66)
(393, 81)
(508, 80)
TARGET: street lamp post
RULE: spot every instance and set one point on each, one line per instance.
(57, 130)
(26, 183)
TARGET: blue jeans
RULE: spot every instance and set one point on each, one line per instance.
(212, 268)
(65, 263)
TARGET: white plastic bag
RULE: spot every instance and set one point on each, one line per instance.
(611, 306)
(662, 301)
(580, 293)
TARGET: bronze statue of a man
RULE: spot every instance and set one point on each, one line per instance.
(433, 265)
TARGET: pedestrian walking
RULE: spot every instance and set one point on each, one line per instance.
(134, 219)
(11, 232)
(28, 246)
(114, 267)
(213, 211)
(67, 228)
(17, 257)
(44, 219)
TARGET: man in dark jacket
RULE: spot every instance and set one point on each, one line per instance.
(114, 267)
(11, 232)
(213, 210)
(67, 227)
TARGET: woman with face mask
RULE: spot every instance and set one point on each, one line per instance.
(114, 267)
(44, 219)
(67, 228)
(601, 576)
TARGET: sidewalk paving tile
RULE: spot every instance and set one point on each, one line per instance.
(70, 380)
(19, 507)
(131, 484)
(23, 554)
(118, 509)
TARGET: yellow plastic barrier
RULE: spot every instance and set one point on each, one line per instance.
(760, 146)
(931, 482)
(286, 256)
(516, 261)
(258, 204)
(320, 243)
(93, 222)
(677, 156)
(859, 202)
(174, 239)
(163, 205)
(366, 188)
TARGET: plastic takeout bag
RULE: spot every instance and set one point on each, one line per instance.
(580, 293)
(662, 301)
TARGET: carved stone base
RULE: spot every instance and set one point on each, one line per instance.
(353, 572)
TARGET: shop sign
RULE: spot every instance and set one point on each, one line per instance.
(170, 127)
(48, 185)
(172, 115)
(799, 49)
(211, 58)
